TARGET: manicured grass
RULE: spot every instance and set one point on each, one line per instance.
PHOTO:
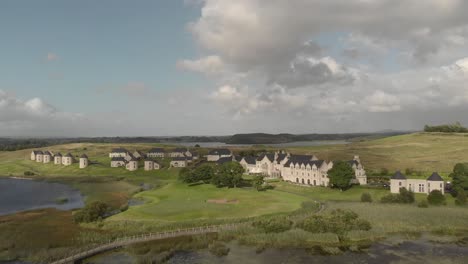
(179, 202)
(328, 194)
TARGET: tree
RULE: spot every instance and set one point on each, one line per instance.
(228, 175)
(185, 175)
(257, 182)
(341, 175)
(460, 177)
(91, 212)
(436, 198)
(203, 173)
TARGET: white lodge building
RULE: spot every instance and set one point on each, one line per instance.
(434, 182)
(300, 169)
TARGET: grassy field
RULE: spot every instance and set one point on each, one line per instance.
(426, 152)
(179, 202)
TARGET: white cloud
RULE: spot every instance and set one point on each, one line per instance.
(209, 65)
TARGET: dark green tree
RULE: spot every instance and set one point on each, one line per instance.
(228, 174)
(257, 182)
(341, 175)
(203, 173)
(460, 177)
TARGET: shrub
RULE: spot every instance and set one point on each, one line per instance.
(29, 173)
(338, 222)
(423, 204)
(366, 198)
(461, 198)
(436, 198)
(404, 196)
(273, 225)
(218, 249)
(91, 212)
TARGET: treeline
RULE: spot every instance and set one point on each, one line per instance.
(450, 128)
(262, 138)
(12, 144)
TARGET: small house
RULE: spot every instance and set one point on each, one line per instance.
(34, 154)
(249, 164)
(151, 165)
(179, 153)
(117, 162)
(67, 160)
(132, 164)
(39, 156)
(118, 152)
(84, 161)
(156, 153)
(46, 157)
(216, 154)
(179, 162)
(58, 159)
(433, 182)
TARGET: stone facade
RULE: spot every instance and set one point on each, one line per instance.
(58, 159)
(67, 160)
(84, 161)
(34, 154)
(132, 165)
(216, 154)
(299, 169)
(151, 165)
(118, 152)
(46, 157)
(156, 153)
(178, 163)
(118, 162)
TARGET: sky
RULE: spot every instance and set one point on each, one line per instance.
(220, 67)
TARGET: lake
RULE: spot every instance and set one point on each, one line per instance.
(280, 145)
(18, 195)
(393, 250)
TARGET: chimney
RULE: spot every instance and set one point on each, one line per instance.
(356, 158)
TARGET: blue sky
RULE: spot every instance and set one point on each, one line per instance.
(217, 67)
(106, 43)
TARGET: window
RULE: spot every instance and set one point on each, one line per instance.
(315, 183)
(297, 180)
(308, 182)
(399, 182)
(302, 181)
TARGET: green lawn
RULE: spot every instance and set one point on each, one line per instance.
(179, 202)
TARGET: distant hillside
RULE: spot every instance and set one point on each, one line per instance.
(263, 138)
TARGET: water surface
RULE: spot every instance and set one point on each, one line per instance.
(18, 195)
(417, 251)
(280, 145)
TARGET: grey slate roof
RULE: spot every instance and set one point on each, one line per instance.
(317, 163)
(435, 177)
(271, 157)
(281, 157)
(69, 155)
(219, 152)
(224, 160)
(37, 152)
(118, 159)
(179, 159)
(398, 176)
(250, 160)
(58, 155)
(83, 156)
(47, 153)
